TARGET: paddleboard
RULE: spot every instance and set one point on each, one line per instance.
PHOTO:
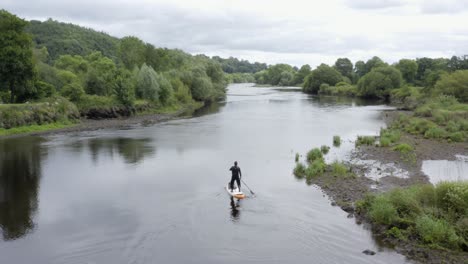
(235, 192)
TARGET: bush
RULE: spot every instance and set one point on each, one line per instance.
(73, 91)
(379, 81)
(325, 149)
(382, 211)
(452, 197)
(316, 168)
(296, 158)
(403, 148)
(436, 232)
(299, 170)
(385, 142)
(455, 84)
(365, 140)
(457, 136)
(322, 74)
(336, 141)
(435, 132)
(314, 154)
(388, 137)
(339, 169)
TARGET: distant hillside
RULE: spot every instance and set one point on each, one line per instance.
(64, 38)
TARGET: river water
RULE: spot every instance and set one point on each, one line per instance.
(155, 194)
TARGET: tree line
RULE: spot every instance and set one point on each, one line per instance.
(42, 59)
(374, 78)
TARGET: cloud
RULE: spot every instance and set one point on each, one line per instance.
(296, 31)
(374, 4)
(443, 6)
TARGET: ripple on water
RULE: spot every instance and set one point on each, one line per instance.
(446, 170)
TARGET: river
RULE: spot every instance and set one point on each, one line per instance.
(154, 194)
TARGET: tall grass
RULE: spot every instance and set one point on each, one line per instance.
(436, 215)
(336, 141)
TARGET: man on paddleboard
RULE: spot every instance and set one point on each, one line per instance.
(236, 176)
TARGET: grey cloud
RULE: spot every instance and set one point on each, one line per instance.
(444, 6)
(374, 4)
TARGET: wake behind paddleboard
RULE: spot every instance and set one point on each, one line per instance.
(235, 192)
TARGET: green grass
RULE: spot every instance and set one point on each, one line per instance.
(299, 170)
(325, 149)
(365, 140)
(35, 128)
(436, 216)
(403, 148)
(314, 154)
(316, 168)
(336, 141)
(339, 169)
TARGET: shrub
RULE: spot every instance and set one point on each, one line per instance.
(325, 149)
(316, 168)
(435, 132)
(296, 158)
(314, 154)
(436, 232)
(419, 126)
(455, 84)
(299, 170)
(339, 169)
(382, 211)
(403, 148)
(452, 197)
(385, 142)
(457, 137)
(336, 141)
(365, 140)
(379, 81)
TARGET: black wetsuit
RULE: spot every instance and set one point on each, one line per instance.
(236, 175)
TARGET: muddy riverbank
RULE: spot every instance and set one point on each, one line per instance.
(380, 169)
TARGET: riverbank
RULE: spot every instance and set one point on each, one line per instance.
(379, 170)
(145, 118)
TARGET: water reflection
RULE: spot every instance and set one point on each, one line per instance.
(333, 101)
(235, 212)
(20, 173)
(209, 108)
(130, 149)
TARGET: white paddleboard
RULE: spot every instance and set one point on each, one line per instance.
(235, 192)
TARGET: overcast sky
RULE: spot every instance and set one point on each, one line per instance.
(290, 31)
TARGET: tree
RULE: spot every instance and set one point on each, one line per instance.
(101, 74)
(378, 82)
(17, 72)
(124, 87)
(301, 74)
(374, 62)
(286, 78)
(455, 84)
(147, 86)
(360, 69)
(273, 76)
(132, 51)
(344, 66)
(322, 74)
(408, 69)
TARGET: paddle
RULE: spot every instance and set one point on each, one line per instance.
(248, 187)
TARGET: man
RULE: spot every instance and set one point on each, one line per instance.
(236, 176)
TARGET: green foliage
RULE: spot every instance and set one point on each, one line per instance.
(336, 141)
(296, 157)
(436, 215)
(299, 170)
(379, 82)
(279, 74)
(314, 154)
(68, 39)
(382, 211)
(73, 91)
(241, 78)
(53, 110)
(17, 72)
(300, 75)
(131, 52)
(389, 136)
(101, 75)
(325, 149)
(403, 148)
(340, 89)
(124, 88)
(436, 132)
(43, 90)
(436, 232)
(315, 168)
(407, 97)
(35, 128)
(455, 84)
(147, 86)
(408, 69)
(365, 140)
(339, 169)
(234, 65)
(344, 66)
(322, 74)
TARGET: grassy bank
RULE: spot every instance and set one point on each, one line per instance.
(52, 111)
(36, 128)
(433, 216)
